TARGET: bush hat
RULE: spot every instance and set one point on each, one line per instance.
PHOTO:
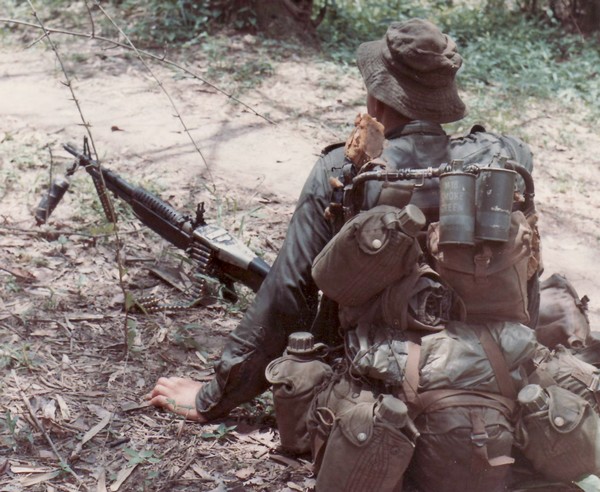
(412, 69)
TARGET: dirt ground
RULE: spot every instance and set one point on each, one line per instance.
(63, 331)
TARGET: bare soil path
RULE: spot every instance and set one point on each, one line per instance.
(61, 320)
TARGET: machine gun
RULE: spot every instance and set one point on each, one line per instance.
(215, 252)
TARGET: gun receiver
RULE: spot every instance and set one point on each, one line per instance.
(216, 252)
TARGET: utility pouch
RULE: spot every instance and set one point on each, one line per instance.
(372, 250)
(563, 315)
(559, 436)
(369, 448)
(465, 442)
(296, 378)
(470, 429)
(490, 277)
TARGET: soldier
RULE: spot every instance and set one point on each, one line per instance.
(410, 78)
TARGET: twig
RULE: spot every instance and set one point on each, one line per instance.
(67, 78)
(160, 84)
(147, 54)
(183, 468)
(112, 212)
(63, 464)
(67, 232)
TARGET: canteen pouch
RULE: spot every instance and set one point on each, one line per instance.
(363, 454)
(340, 394)
(490, 277)
(295, 380)
(563, 317)
(369, 253)
(465, 443)
(562, 442)
(562, 368)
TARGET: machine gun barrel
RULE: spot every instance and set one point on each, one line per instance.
(228, 258)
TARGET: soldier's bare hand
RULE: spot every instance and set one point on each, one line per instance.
(178, 395)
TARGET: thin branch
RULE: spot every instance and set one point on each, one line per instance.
(112, 213)
(160, 84)
(67, 78)
(89, 11)
(147, 54)
(63, 464)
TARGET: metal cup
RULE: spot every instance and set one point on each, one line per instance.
(495, 191)
(457, 206)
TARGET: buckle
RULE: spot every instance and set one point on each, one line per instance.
(480, 439)
(594, 385)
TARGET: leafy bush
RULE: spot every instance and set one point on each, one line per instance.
(168, 21)
(509, 57)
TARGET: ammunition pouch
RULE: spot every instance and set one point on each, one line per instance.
(560, 367)
(364, 453)
(465, 442)
(339, 395)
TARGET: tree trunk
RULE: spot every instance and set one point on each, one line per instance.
(286, 19)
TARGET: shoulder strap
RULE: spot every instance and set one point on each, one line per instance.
(498, 362)
(410, 384)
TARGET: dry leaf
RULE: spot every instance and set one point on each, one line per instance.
(97, 428)
(201, 472)
(39, 478)
(30, 469)
(43, 333)
(64, 408)
(122, 476)
(245, 473)
(101, 485)
(49, 410)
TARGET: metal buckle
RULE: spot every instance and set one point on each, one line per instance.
(480, 439)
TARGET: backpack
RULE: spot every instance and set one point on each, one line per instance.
(563, 315)
(490, 277)
(466, 436)
(372, 250)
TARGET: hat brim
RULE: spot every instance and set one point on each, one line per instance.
(405, 95)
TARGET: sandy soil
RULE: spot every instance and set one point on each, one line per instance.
(61, 320)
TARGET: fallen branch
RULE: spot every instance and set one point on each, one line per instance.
(63, 464)
(160, 85)
(147, 54)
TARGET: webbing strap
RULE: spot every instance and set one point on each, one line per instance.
(434, 400)
(479, 440)
(410, 384)
(498, 363)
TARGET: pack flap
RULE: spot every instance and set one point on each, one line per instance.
(489, 258)
(566, 409)
(357, 424)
